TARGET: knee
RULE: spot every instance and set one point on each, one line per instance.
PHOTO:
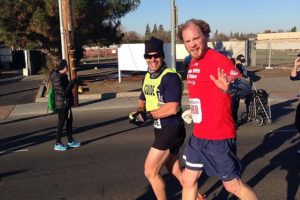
(233, 186)
(188, 182)
(149, 172)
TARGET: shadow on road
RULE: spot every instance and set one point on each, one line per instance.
(285, 108)
(285, 160)
(20, 91)
(173, 189)
(25, 140)
(104, 97)
(106, 123)
(10, 173)
(25, 119)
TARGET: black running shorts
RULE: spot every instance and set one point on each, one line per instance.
(170, 137)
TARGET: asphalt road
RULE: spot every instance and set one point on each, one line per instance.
(109, 165)
(19, 90)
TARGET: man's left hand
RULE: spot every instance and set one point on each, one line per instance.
(222, 82)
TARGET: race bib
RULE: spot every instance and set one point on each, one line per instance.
(195, 105)
(157, 124)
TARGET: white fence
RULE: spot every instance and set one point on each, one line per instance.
(131, 56)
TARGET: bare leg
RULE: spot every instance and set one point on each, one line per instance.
(154, 162)
(190, 185)
(173, 166)
(239, 189)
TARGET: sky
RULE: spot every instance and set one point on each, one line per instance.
(243, 16)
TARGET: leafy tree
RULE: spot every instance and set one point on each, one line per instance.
(161, 33)
(33, 24)
(268, 31)
(154, 29)
(294, 29)
(131, 37)
(216, 34)
(161, 28)
(147, 32)
(231, 35)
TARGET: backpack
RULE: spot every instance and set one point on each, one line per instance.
(51, 99)
(51, 95)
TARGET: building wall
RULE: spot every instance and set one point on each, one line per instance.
(90, 52)
(278, 44)
(233, 48)
(278, 36)
(5, 56)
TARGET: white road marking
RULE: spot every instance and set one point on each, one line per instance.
(20, 150)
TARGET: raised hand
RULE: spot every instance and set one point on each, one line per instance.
(222, 81)
(297, 62)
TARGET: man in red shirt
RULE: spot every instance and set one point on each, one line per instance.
(211, 80)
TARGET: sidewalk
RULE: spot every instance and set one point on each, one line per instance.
(117, 95)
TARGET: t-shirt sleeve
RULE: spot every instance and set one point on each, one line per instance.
(231, 71)
(172, 85)
(296, 77)
(142, 96)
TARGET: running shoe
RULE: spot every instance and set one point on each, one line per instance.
(73, 144)
(60, 147)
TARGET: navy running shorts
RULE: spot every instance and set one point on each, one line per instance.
(216, 157)
(169, 137)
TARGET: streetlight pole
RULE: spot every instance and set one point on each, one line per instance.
(173, 34)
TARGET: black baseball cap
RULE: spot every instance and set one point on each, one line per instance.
(241, 58)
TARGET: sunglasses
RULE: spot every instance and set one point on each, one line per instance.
(157, 55)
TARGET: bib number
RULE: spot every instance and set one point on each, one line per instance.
(195, 105)
(157, 124)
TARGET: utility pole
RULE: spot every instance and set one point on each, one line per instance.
(173, 34)
(69, 44)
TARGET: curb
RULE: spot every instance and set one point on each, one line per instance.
(11, 79)
(41, 98)
(41, 95)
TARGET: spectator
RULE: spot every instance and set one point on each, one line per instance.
(186, 63)
(63, 103)
(239, 64)
(295, 75)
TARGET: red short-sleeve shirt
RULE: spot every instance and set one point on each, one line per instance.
(210, 106)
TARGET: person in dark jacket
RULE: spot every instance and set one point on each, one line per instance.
(63, 102)
(295, 75)
(239, 64)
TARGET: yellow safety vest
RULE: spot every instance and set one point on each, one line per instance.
(150, 90)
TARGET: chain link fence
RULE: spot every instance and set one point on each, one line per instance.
(276, 54)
